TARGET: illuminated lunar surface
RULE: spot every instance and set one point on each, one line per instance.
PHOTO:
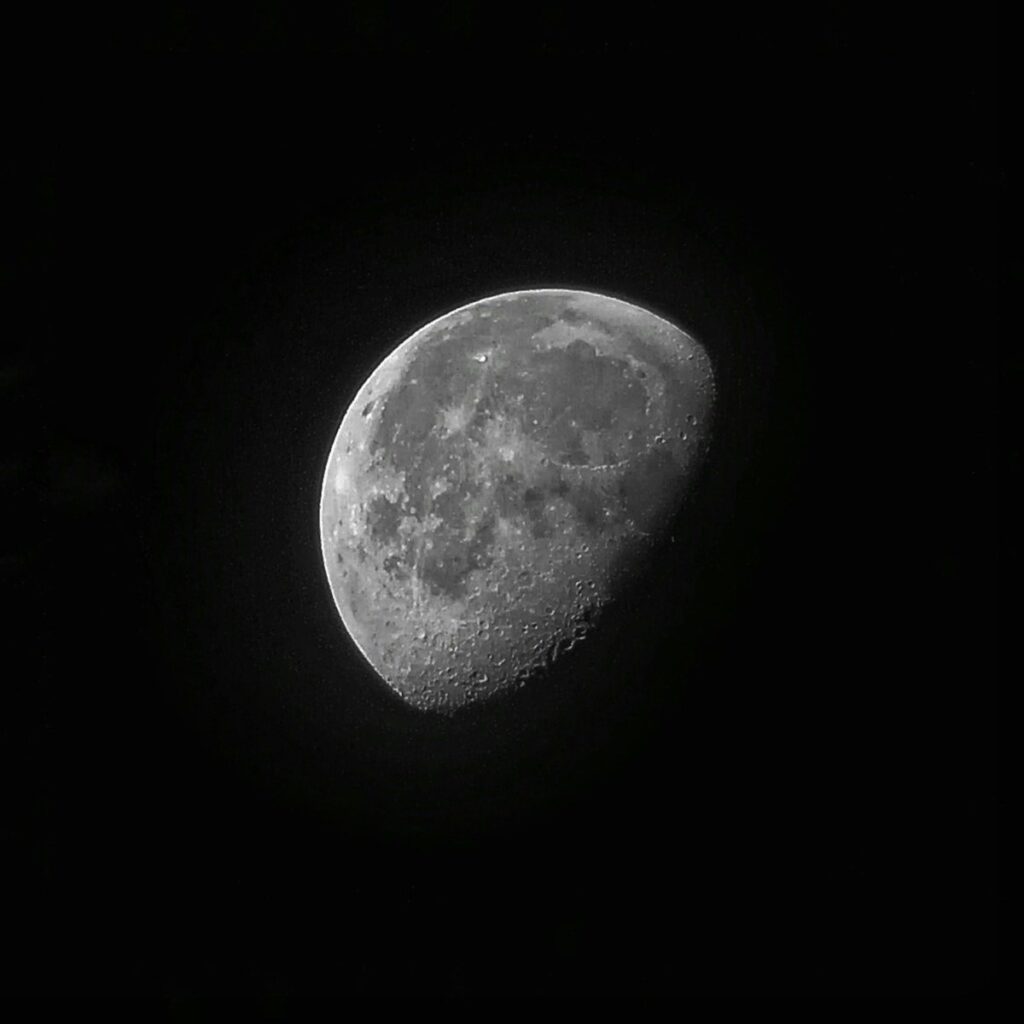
(495, 480)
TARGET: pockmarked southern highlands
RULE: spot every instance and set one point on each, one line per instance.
(494, 480)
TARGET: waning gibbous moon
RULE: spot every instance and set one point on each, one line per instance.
(491, 478)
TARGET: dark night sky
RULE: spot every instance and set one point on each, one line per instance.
(777, 774)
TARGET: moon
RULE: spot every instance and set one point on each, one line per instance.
(494, 480)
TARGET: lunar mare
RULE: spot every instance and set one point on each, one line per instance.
(492, 481)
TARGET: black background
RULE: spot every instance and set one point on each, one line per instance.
(775, 776)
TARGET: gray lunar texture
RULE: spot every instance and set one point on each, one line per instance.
(494, 480)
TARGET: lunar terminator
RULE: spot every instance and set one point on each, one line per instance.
(491, 483)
